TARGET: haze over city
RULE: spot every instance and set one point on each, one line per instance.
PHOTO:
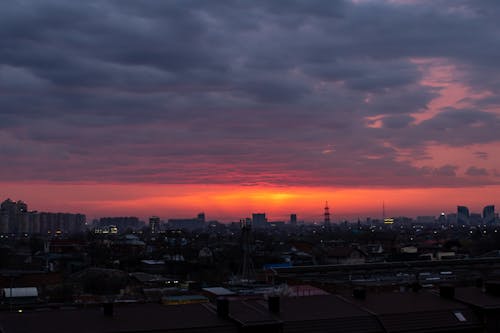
(172, 108)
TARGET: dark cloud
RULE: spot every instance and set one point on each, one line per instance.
(475, 171)
(240, 92)
(481, 155)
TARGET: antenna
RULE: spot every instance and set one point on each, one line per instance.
(247, 272)
(327, 215)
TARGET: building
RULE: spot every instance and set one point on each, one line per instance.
(189, 224)
(61, 223)
(451, 218)
(123, 223)
(418, 312)
(259, 220)
(489, 214)
(14, 214)
(344, 255)
(154, 224)
(15, 218)
(293, 219)
(463, 215)
(4, 223)
(426, 219)
(363, 312)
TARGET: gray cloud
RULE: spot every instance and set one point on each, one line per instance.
(481, 155)
(238, 92)
(475, 171)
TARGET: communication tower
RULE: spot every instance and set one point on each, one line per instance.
(327, 215)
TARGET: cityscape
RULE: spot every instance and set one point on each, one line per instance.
(62, 264)
(250, 166)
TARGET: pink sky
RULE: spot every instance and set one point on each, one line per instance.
(230, 203)
(172, 108)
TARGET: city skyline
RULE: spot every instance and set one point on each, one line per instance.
(282, 206)
(114, 108)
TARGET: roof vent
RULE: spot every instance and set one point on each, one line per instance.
(107, 309)
(274, 304)
(223, 307)
(447, 291)
(416, 287)
(359, 293)
(492, 288)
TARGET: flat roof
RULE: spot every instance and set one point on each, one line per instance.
(476, 297)
(126, 318)
(219, 291)
(418, 312)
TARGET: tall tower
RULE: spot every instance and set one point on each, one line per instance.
(247, 271)
(327, 215)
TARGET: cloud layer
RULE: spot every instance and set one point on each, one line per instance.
(250, 92)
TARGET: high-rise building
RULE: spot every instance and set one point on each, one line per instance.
(154, 224)
(489, 214)
(189, 224)
(16, 212)
(34, 223)
(463, 215)
(56, 223)
(442, 218)
(123, 223)
(293, 219)
(15, 218)
(475, 218)
(4, 223)
(259, 220)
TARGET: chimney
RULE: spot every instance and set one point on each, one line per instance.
(108, 309)
(416, 287)
(492, 287)
(359, 293)
(273, 303)
(447, 291)
(222, 307)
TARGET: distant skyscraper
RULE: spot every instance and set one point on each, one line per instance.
(4, 223)
(489, 214)
(293, 219)
(16, 212)
(189, 224)
(463, 215)
(451, 218)
(442, 218)
(123, 223)
(154, 224)
(259, 220)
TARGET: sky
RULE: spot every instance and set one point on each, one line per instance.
(170, 108)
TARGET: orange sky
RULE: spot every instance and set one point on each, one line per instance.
(229, 203)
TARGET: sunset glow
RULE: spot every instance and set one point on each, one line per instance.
(173, 108)
(231, 203)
